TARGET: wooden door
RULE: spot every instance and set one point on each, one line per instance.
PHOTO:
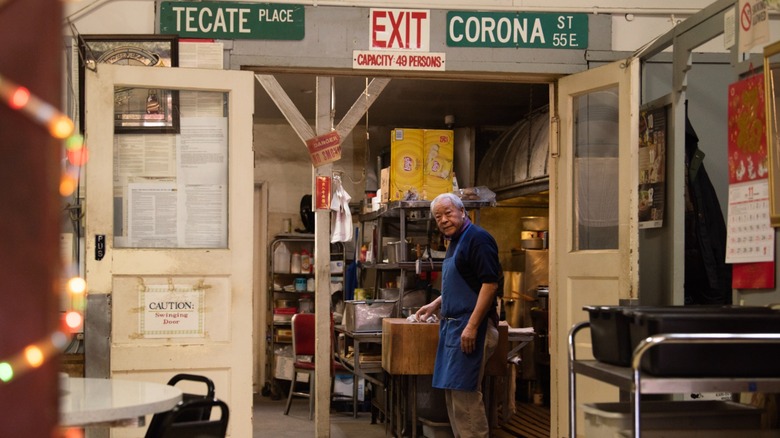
(169, 226)
(593, 182)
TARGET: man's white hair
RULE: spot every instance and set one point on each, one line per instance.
(455, 199)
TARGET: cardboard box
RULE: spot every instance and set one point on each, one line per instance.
(384, 185)
(406, 164)
(336, 267)
(284, 369)
(438, 150)
(343, 383)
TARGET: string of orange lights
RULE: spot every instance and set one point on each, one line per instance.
(61, 127)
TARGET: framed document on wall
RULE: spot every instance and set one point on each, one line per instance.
(771, 95)
(136, 110)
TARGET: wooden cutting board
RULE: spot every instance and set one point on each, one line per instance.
(409, 348)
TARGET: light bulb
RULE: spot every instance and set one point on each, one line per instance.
(78, 157)
(19, 98)
(73, 320)
(77, 285)
(60, 126)
(67, 185)
(34, 356)
(6, 372)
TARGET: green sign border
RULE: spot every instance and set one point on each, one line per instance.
(548, 30)
(258, 30)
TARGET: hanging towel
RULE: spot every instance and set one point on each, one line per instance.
(341, 228)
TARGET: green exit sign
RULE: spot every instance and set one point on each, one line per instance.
(548, 30)
(225, 20)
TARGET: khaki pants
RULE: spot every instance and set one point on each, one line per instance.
(466, 408)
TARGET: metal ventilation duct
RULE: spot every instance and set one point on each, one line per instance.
(516, 164)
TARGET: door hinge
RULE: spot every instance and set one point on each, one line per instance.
(555, 137)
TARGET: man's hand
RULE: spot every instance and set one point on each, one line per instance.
(425, 312)
(468, 339)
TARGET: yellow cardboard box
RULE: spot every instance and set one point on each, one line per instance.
(406, 164)
(438, 168)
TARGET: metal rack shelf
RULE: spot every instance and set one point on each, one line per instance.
(635, 381)
(425, 265)
(295, 241)
(410, 217)
(621, 377)
(395, 208)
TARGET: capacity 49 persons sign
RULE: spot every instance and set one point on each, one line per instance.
(521, 30)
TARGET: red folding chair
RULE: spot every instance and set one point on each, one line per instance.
(303, 337)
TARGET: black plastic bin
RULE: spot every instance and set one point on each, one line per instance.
(611, 326)
(609, 333)
(708, 360)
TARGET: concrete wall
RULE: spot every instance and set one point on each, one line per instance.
(333, 33)
(138, 14)
(282, 162)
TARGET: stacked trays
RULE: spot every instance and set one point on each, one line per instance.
(617, 330)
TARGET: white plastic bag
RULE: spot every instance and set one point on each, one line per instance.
(341, 228)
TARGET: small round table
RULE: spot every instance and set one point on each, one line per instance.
(113, 402)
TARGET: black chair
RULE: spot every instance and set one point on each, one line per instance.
(175, 425)
(185, 397)
(190, 414)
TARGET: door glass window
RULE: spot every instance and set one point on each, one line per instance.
(171, 190)
(596, 150)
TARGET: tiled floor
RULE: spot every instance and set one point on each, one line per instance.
(270, 421)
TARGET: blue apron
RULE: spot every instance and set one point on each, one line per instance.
(453, 368)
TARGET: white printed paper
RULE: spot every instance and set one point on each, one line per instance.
(750, 236)
(174, 311)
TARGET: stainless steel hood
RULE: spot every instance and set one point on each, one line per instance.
(516, 164)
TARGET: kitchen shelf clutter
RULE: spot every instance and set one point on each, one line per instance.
(404, 250)
(291, 290)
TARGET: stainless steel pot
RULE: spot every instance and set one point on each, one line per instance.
(394, 255)
(535, 243)
(280, 303)
(388, 293)
(534, 223)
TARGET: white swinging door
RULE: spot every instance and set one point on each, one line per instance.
(169, 227)
(594, 249)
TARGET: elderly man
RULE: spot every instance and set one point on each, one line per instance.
(468, 334)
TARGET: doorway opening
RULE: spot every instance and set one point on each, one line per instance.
(497, 120)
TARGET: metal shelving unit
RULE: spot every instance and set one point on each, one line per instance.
(412, 218)
(633, 380)
(278, 333)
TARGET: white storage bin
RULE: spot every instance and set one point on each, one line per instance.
(674, 418)
(437, 431)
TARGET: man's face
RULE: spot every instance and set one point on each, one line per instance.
(449, 218)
